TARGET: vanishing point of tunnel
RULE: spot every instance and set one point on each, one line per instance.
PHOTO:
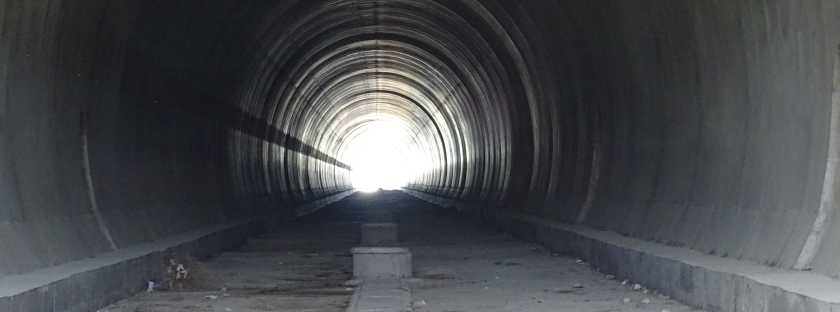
(517, 155)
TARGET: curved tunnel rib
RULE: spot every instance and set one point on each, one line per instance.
(701, 124)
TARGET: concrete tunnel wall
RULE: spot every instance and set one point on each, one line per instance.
(703, 124)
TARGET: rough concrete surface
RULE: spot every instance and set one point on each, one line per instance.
(301, 267)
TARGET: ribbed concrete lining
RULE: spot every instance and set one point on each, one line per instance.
(702, 124)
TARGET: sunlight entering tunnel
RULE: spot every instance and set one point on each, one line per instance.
(381, 155)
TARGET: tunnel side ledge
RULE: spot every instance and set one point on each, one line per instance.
(705, 281)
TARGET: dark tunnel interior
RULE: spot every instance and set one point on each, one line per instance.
(704, 125)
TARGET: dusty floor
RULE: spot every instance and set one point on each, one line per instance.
(294, 269)
(458, 267)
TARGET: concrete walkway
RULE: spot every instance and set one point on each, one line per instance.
(458, 267)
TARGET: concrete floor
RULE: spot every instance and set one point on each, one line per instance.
(459, 266)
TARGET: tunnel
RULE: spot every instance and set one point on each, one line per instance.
(684, 148)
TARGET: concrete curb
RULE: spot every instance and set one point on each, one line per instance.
(381, 296)
(89, 284)
(700, 280)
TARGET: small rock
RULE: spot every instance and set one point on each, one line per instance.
(580, 261)
(624, 282)
(228, 309)
(418, 303)
(610, 277)
(666, 310)
(577, 285)
(646, 301)
(637, 286)
(211, 297)
(626, 300)
(353, 283)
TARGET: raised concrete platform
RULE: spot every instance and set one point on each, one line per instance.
(381, 296)
(375, 234)
(704, 281)
(371, 263)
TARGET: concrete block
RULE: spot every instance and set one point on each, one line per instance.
(371, 263)
(375, 234)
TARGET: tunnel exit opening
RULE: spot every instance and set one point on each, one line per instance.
(382, 156)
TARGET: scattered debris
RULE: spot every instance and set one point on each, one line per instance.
(176, 274)
(418, 303)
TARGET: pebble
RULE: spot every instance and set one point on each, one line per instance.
(637, 286)
(211, 297)
(610, 277)
(577, 285)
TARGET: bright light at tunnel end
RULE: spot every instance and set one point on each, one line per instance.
(382, 158)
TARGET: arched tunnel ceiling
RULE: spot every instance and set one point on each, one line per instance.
(702, 124)
(443, 70)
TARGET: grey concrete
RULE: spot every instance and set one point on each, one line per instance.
(701, 280)
(376, 234)
(377, 263)
(705, 281)
(87, 285)
(709, 125)
(381, 296)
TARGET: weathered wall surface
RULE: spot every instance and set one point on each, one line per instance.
(114, 126)
(702, 124)
(710, 119)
